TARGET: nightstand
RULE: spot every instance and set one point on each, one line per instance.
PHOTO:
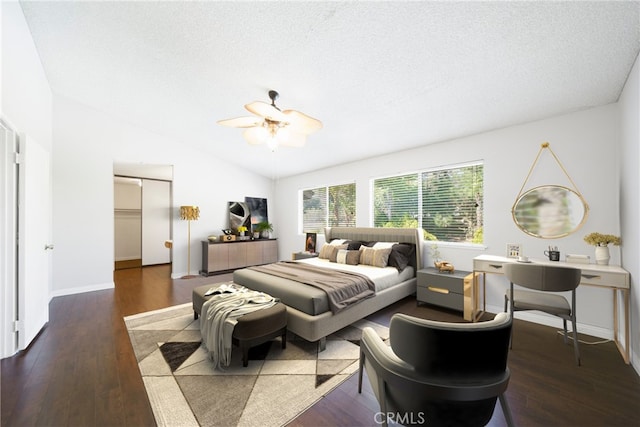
(303, 255)
(449, 290)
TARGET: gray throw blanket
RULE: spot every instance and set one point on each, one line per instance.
(220, 315)
(343, 288)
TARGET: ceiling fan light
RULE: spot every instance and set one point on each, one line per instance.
(272, 142)
(256, 135)
(283, 134)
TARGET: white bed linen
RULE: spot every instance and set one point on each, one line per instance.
(381, 277)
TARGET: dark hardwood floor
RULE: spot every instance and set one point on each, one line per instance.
(81, 371)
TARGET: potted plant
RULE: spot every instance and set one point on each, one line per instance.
(264, 228)
(601, 242)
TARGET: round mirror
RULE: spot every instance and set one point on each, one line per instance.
(550, 211)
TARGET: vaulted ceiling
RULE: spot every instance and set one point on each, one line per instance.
(381, 76)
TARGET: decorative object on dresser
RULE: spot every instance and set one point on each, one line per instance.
(264, 228)
(228, 236)
(239, 216)
(549, 211)
(444, 266)
(242, 233)
(601, 242)
(259, 213)
(577, 259)
(189, 213)
(221, 257)
(449, 290)
(514, 250)
(310, 243)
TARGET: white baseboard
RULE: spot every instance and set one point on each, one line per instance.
(555, 322)
(81, 289)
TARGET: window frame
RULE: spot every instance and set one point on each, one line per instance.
(419, 175)
(301, 209)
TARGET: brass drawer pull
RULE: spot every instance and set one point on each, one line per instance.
(496, 266)
(591, 276)
(438, 290)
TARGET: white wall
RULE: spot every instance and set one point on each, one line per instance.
(88, 142)
(630, 197)
(26, 96)
(586, 142)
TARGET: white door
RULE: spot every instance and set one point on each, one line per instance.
(34, 239)
(8, 239)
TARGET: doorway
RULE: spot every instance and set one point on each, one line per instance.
(25, 233)
(142, 215)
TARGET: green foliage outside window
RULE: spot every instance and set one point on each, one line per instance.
(446, 203)
(333, 206)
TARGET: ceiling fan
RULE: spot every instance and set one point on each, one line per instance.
(274, 127)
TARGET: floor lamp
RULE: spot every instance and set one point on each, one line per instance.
(190, 213)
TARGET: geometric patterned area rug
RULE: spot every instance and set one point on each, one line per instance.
(185, 390)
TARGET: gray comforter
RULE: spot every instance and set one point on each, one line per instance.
(343, 288)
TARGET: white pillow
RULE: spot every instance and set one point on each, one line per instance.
(337, 242)
(383, 245)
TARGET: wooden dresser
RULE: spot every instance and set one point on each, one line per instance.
(228, 256)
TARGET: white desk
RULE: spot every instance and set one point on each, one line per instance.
(602, 276)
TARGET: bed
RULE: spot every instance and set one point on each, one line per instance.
(308, 314)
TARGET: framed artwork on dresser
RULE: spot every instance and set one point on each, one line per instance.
(258, 209)
(310, 243)
(514, 250)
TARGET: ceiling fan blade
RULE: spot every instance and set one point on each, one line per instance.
(242, 122)
(266, 110)
(255, 135)
(302, 123)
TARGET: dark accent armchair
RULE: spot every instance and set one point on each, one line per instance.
(438, 373)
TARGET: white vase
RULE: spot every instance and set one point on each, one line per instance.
(602, 255)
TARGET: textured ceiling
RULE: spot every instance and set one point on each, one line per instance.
(382, 76)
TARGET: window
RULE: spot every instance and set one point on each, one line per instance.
(447, 202)
(333, 206)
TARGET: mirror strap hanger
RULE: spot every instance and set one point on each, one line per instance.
(543, 146)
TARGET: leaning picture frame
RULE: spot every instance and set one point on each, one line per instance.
(310, 243)
(514, 250)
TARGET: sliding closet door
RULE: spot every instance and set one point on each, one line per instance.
(156, 221)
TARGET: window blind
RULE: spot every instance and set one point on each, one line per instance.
(446, 202)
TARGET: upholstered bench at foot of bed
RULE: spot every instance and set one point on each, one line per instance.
(259, 327)
(252, 329)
